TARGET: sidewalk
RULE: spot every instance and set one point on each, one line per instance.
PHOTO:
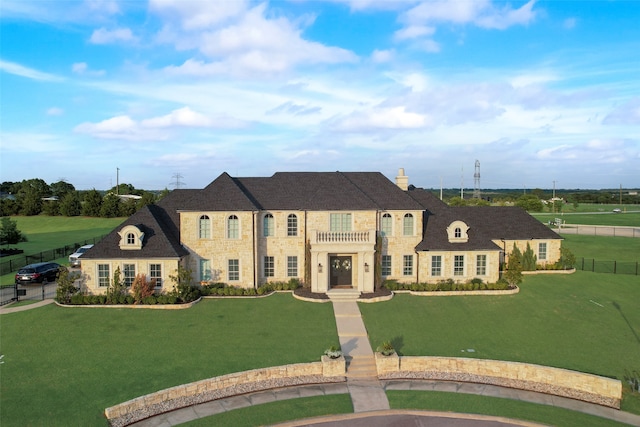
(9, 309)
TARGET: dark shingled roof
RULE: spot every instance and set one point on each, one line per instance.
(301, 191)
(161, 235)
(486, 223)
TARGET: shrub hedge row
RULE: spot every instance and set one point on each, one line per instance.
(447, 285)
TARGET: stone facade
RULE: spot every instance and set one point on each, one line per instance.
(325, 229)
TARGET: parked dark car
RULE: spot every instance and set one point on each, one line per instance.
(41, 272)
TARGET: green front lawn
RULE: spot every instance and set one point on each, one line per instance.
(64, 366)
(586, 322)
(483, 405)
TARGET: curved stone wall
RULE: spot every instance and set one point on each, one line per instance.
(524, 376)
(220, 387)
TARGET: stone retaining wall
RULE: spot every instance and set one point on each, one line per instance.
(524, 376)
(214, 388)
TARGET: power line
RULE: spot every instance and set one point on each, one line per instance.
(177, 184)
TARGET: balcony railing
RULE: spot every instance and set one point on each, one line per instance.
(345, 236)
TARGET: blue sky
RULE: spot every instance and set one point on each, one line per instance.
(537, 91)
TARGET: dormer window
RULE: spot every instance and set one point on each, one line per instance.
(131, 238)
(457, 232)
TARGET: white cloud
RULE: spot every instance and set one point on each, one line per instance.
(625, 114)
(414, 31)
(381, 118)
(55, 111)
(104, 36)
(382, 56)
(251, 43)
(109, 7)
(82, 68)
(155, 128)
(30, 73)
(198, 14)
(481, 13)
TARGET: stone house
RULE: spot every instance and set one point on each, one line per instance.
(328, 229)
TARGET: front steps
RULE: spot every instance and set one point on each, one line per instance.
(361, 368)
(339, 295)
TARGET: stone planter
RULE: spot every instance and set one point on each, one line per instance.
(387, 364)
(334, 367)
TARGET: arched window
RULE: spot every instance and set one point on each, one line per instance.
(407, 225)
(292, 225)
(131, 239)
(204, 227)
(387, 224)
(457, 233)
(233, 227)
(267, 225)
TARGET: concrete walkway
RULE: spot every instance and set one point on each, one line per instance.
(367, 392)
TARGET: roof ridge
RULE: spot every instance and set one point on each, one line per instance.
(360, 189)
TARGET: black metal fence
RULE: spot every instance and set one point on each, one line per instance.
(36, 291)
(18, 262)
(614, 267)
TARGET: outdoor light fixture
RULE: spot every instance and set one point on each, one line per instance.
(366, 267)
(319, 268)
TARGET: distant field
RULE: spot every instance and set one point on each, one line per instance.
(603, 248)
(50, 232)
(626, 219)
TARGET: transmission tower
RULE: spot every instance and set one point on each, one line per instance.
(476, 181)
(177, 184)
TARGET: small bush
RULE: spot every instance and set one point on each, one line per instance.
(386, 348)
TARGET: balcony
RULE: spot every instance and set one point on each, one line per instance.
(343, 237)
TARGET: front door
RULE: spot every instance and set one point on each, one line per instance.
(341, 269)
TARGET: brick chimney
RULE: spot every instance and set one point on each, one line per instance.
(402, 180)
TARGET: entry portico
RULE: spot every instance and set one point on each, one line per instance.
(342, 259)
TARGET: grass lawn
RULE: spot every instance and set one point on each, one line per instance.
(586, 322)
(472, 404)
(279, 412)
(65, 366)
(605, 248)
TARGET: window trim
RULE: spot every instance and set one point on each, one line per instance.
(436, 268)
(458, 265)
(125, 277)
(407, 267)
(159, 280)
(291, 258)
(481, 265)
(386, 227)
(204, 227)
(268, 266)
(408, 225)
(268, 225)
(233, 227)
(292, 225)
(386, 265)
(235, 270)
(100, 269)
(344, 224)
(541, 252)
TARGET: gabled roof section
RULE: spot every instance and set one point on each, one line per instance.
(223, 194)
(326, 191)
(427, 200)
(486, 224)
(160, 237)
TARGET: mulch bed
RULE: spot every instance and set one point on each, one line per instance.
(306, 293)
(382, 292)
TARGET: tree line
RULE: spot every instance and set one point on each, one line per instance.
(34, 197)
